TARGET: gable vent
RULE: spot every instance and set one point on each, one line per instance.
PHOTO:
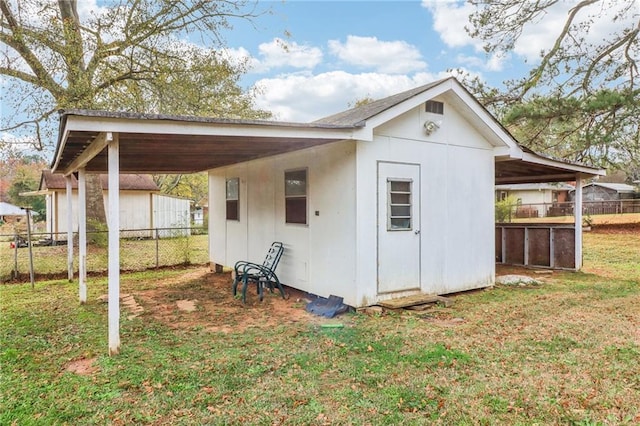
(434, 107)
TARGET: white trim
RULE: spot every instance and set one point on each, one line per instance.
(537, 159)
(96, 147)
(82, 236)
(179, 127)
(69, 192)
(577, 213)
(114, 246)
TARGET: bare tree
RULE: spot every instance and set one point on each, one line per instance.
(582, 100)
(130, 55)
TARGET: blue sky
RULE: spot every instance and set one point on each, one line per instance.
(340, 51)
(310, 59)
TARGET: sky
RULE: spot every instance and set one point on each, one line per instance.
(311, 59)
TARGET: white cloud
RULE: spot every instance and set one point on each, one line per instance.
(495, 62)
(451, 16)
(276, 54)
(393, 57)
(449, 20)
(280, 53)
(304, 98)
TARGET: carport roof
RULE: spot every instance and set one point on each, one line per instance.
(153, 143)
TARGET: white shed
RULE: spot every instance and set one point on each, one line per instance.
(389, 199)
(141, 205)
(407, 207)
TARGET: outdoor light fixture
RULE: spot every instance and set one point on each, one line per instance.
(430, 127)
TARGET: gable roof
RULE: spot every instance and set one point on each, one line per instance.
(128, 182)
(358, 115)
(7, 209)
(151, 143)
(618, 187)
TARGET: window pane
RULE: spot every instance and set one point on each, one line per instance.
(295, 183)
(397, 223)
(397, 198)
(232, 210)
(296, 210)
(400, 211)
(232, 188)
(401, 186)
(399, 205)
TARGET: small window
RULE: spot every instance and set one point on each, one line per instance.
(295, 196)
(233, 199)
(399, 205)
(434, 107)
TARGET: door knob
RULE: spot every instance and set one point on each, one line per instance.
(417, 231)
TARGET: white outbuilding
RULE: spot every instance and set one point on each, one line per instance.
(389, 199)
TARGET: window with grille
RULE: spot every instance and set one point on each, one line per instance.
(399, 205)
(295, 196)
(233, 199)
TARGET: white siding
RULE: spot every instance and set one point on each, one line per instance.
(336, 253)
(457, 169)
(169, 212)
(136, 210)
(319, 256)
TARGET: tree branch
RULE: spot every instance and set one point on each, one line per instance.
(16, 41)
(537, 74)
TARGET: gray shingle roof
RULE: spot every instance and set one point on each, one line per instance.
(356, 116)
(131, 182)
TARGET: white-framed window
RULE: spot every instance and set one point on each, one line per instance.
(399, 205)
(295, 196)
(233, 199)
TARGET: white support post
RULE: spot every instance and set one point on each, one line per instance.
(69, 191)
(577, 213)
(82, 235)
(114, 244)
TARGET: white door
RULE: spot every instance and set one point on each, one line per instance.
(398, 227)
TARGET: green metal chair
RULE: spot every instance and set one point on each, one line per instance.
(263, 275)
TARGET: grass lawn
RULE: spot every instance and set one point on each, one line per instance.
(135, 255)
(563, 352)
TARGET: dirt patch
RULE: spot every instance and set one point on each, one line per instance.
(83, 367)
(201, 298)
(186, 305)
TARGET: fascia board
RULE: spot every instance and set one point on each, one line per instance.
(128, 125)
(576, 168)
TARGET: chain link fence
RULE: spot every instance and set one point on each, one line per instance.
(140, 249)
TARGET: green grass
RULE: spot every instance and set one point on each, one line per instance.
(565, 352)
(135, 255)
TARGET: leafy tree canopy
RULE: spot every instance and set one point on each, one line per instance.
(130, 55)
(581, 101)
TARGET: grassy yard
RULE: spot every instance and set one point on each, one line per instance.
(135, 255)
(563, 352)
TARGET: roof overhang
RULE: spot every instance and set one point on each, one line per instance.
(534, 168)
(176, 144)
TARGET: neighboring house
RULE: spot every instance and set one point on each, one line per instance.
(142, 207)
(10, 213)
(603, 191)
(198, 215)
(535, 199)
(389, 199)
(609, 198)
